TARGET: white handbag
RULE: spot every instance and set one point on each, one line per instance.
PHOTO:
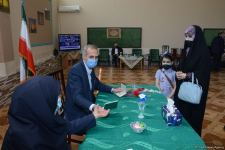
(190, 92)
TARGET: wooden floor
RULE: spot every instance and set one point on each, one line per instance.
(213, 129)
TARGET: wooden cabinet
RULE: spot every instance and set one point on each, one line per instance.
(70, 58)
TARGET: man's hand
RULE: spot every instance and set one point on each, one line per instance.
(100, 112)
(180, 75)
(116, 90)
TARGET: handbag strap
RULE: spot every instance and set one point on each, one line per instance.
(168, 79)
(192, 78)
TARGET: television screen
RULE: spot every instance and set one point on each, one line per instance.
(69, 42)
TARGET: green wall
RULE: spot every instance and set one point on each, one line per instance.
(210, 33)
(130, 37)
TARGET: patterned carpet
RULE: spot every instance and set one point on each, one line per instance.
(213, 129)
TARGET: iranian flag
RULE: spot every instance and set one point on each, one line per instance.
(27, 67)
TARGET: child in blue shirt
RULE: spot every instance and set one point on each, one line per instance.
(166, 77)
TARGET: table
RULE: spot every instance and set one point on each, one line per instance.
(131, 61)
(114, 132)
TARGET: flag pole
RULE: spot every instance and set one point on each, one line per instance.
(27, 67)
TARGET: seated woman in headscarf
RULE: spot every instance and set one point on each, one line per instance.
(36, 120)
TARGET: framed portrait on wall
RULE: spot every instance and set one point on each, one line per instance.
(32, 25)
(47, 14)
(4, 5)
(113, 32)
(40, 18)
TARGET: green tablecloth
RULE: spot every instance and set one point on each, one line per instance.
(114, 132)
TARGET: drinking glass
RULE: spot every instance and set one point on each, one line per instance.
(141, 106)
(133, 86)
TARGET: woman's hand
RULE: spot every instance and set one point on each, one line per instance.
(180, 75)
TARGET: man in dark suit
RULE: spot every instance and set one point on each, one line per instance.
(116, 52)
(217, 50)
(81, 83)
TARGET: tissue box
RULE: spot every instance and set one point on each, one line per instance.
(171, 119)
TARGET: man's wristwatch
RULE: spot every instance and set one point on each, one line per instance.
(93, 108)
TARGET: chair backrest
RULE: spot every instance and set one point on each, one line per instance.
(154, 54)
(58, 75)
(137, 51)
(165, 49)
(103, 54)
(174, 52)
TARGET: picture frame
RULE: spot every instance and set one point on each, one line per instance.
(113, 32)
(32, 25)
(47, 14)
(40, 18)
(4, 6)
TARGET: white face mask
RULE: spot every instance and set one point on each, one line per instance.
(189, 38)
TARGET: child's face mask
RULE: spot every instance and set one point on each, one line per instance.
(166, 67)
(166, 64)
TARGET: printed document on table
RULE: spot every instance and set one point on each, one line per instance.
(123, 92)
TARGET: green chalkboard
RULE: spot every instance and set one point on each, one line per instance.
(211, 33)
(130, 37)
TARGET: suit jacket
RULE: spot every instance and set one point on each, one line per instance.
(217, 46)
(79, 97)
(120, 50)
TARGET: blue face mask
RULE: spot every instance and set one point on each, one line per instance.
(59, 105)
(91, 63)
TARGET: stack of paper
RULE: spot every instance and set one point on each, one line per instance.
(123, 92)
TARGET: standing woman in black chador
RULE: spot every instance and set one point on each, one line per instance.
(195, 58)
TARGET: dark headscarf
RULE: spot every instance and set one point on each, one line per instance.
(33, 124)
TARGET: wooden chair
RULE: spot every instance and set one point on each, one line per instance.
(104, 56)
(58, 75)
(175, 56)
(174, 53)
(137, 51)
(74, 140)
(165, 49)
(153, 57)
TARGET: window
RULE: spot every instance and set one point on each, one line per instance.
(4, 5)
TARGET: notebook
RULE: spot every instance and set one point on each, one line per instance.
(111, 105)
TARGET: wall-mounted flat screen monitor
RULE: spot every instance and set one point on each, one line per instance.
(69, 42)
